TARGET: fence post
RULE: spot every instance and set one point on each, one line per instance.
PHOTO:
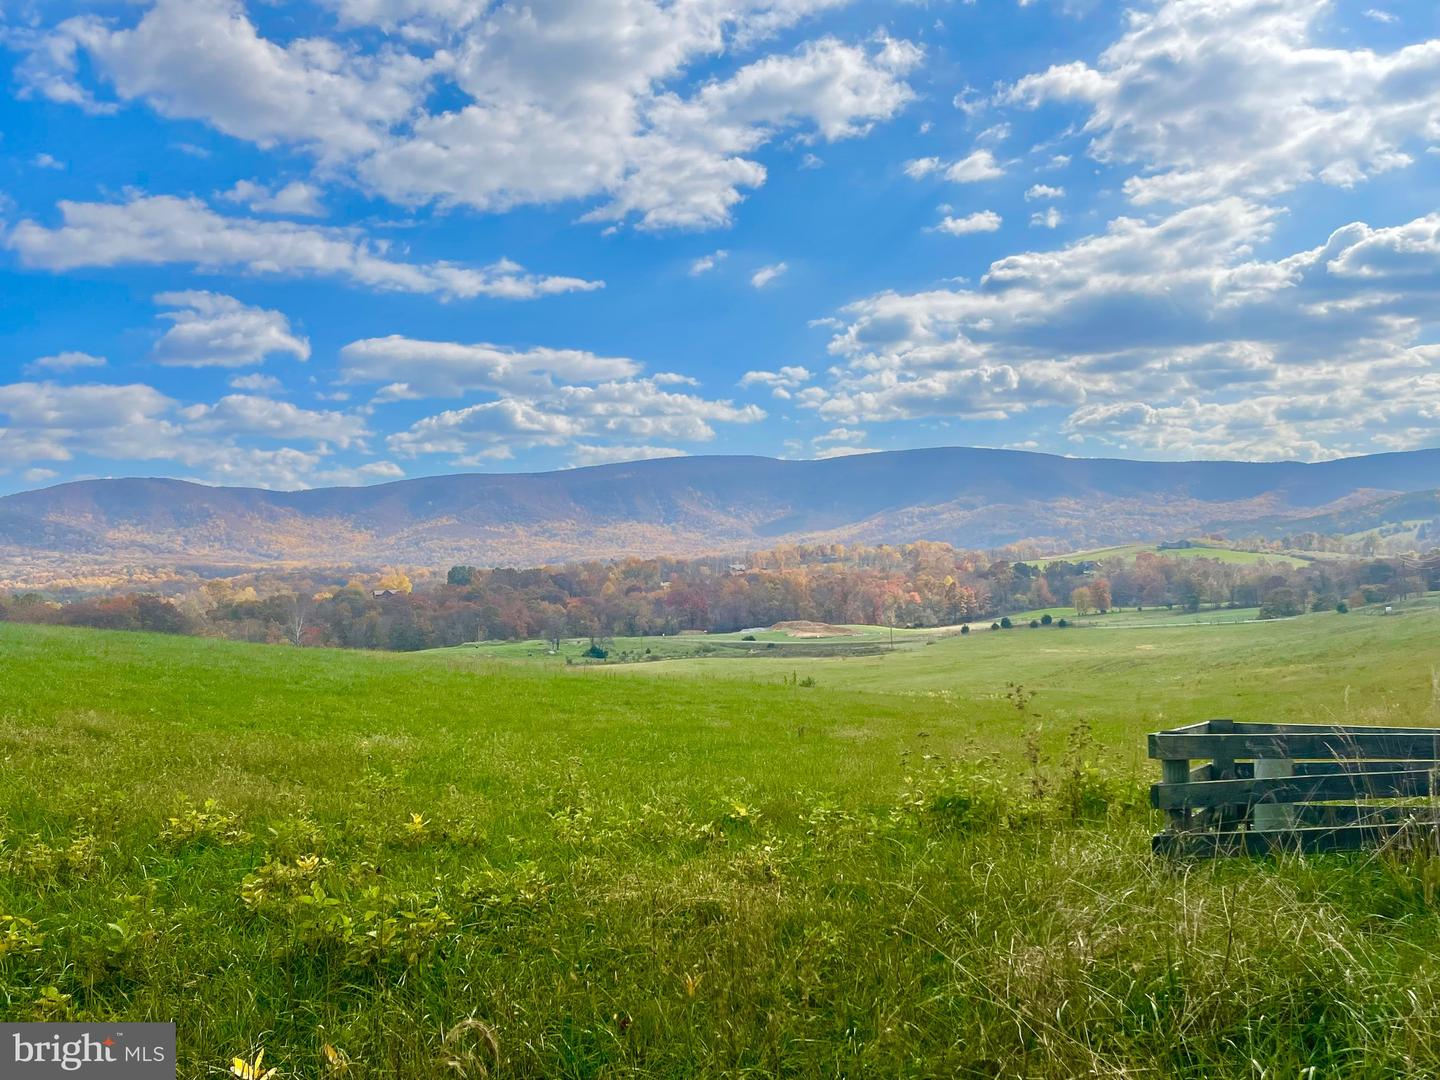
(1434, 792)
(1176, 771)
(1223, 768)
(1270, 816)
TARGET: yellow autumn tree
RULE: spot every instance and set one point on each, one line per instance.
(394, 581)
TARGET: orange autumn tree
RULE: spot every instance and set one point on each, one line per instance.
(1100, 594)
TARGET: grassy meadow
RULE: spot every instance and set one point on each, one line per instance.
(857, 640)
(464, 863)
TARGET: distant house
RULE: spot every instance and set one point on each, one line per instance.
(737, 568)
(1174, 545)
(383, 594)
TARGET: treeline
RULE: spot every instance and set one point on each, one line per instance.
(1367, 545)
(129, 611)
(917, 585)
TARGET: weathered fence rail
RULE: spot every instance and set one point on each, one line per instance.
(1232, 787)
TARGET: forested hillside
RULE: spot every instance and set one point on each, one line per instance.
(685, 506)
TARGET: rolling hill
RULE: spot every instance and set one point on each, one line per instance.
(1387, 513)
(970, 497)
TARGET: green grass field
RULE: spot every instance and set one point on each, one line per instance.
(462, 864)
(763, 644)
(1122, 618)
(1293, 669)
(861, 640)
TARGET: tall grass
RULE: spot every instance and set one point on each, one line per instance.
(439, 872)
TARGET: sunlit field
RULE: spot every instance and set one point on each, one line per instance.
(931, 862)
(855, 640)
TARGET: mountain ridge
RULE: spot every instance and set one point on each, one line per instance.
(973, 497)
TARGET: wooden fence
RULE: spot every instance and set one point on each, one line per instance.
(1229, 787)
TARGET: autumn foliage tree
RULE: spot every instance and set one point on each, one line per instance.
(1100, 595)
(922, 584)
(396, 581)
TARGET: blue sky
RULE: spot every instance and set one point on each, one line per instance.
(349, 241)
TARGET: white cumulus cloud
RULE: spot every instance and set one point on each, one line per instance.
(66, 361)
(213, 330)
(982, 221)
(582, 455)
(767, 274)
(450, 369)
(296, 199)
(705, 263)
(1214, 97)
(163, 229)
(546, 101)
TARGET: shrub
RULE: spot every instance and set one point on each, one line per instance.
(1281, 603)
(277, 883)
(1342, 607)
(994, 626)
(1063, 623)
(36, 862)
(957, 798)
(372, 930)
(965, 629)
(748, 637)
(113, 951)
(1046, 620)
(209, 823)
(1084, 793)
(597, 652)
(523, 886)
(19, 937)
(1005, 623)
(128, 612)
(1034, 624)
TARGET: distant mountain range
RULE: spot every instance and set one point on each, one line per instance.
(695, 505)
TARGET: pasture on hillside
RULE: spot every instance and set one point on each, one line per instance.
(1123, 668)
(853, 640)
(442, 865)
(1320, 666)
